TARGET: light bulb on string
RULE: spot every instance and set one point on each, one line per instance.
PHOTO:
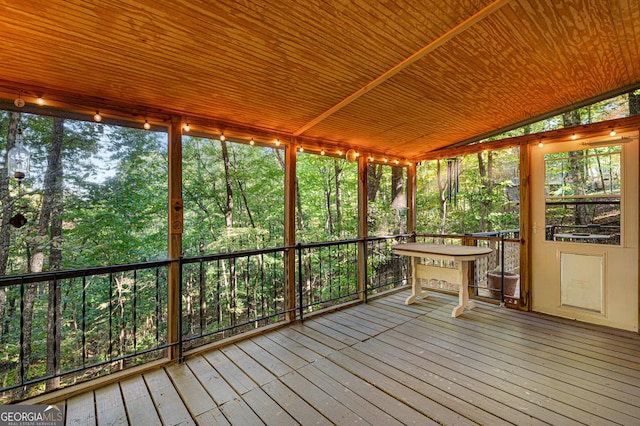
(146, 125)
(540, 144)
(186, 127)
(40, 101)
(574, 137)
(300, 148)
(97, 117)
(277, 142)
(322, 152)
(252, 142)
(222, 137)
(19, 102)
(612, 133)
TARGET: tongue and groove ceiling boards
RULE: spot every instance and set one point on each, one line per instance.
(403, 77)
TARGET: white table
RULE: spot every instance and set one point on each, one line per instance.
(461, 255)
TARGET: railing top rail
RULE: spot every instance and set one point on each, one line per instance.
(9, 280)
(234, 254)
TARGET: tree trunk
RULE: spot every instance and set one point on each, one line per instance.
(7, 212)
(5, 196)
(55, 253)
(228, 210)
(299, 216)
(228, 219)
(486, 179)
(576, 171)
(338, 177)
(398, 200)
(634, 102)
(374, 177)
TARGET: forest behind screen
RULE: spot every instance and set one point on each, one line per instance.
(96, 194)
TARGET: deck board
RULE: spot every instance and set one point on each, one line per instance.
(109, 405)
(170, 406)
(389, 363)
(81, 410)
(138, 402)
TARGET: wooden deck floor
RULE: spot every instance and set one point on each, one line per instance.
(385, 363)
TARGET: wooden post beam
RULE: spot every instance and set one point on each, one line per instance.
(290, 231)
(525, 227)
(363, 230)
(174, 308)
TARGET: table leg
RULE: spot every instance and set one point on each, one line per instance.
(416, 288)
(463, 294)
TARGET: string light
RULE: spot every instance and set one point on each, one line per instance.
(19, 102)
(385, 160)
(574, 137)
(397, 162)
(300, 148)
(409, 163)
(540, 144)
(146, 125)
(322, 152)
(186, 127)
(222, 137)
(277, 142)
(252, 142)
(612, 133)
(40, 101)
(371, 158)
(97, 117)
(339, 152)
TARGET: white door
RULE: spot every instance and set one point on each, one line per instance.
(584, 258)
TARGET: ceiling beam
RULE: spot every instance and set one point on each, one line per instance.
(419, 54)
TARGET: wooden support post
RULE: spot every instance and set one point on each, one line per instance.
(412, 192)
(290, 231)
(363, 230)
(174, 308)
(525, 227)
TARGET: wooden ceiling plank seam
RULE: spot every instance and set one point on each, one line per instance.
(407, 62)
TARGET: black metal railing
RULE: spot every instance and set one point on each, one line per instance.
(111, 318)
(385, 269)
(67, 326)
(226, 294)
(327, 274)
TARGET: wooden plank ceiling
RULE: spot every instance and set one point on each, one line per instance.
(400, 77)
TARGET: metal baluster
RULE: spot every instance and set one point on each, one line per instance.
(262, 295)
(203, 299)
(84, 318)
(299, 250)
(135, 313)
(157, 306)
(110, 315)
(22, 372)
